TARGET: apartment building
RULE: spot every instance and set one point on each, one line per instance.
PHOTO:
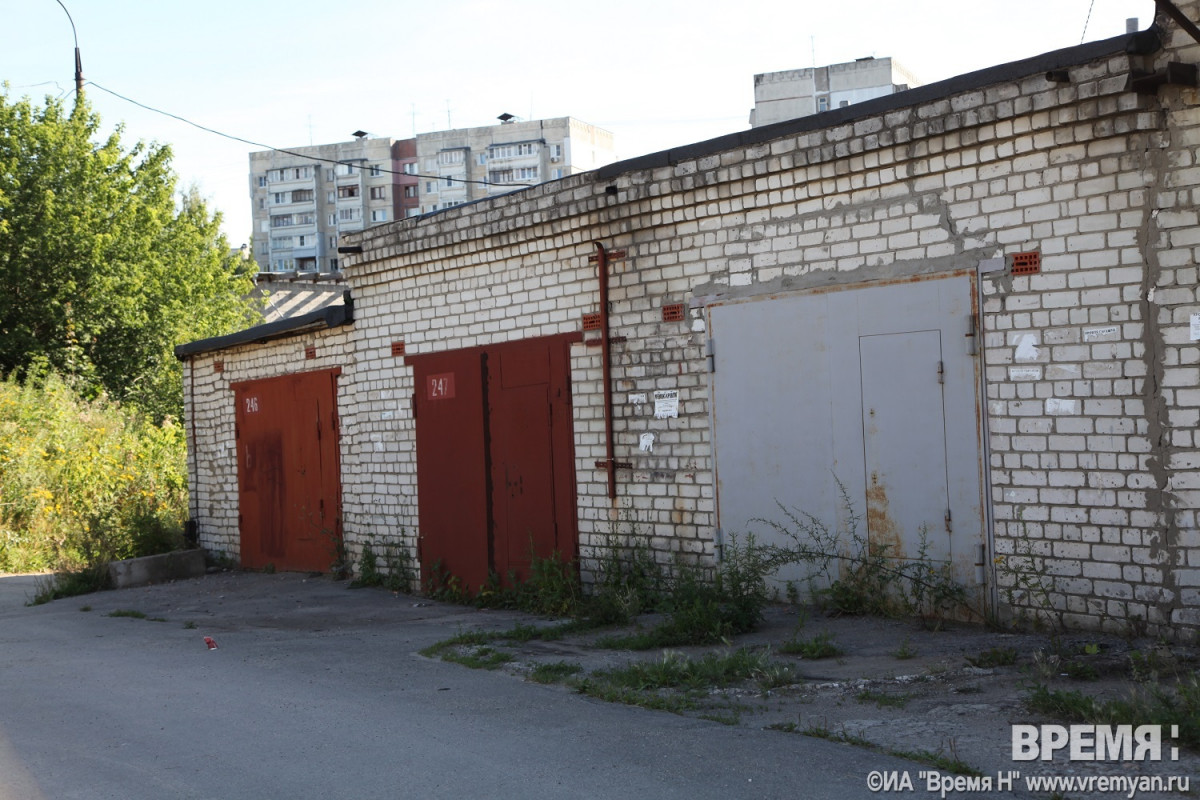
(458, 166)
(304, 198)
(790, 94)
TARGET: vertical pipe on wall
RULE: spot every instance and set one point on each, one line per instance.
(606, 368)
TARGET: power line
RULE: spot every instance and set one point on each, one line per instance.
(293, 152)
(1087, 21)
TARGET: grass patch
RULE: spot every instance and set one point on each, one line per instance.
(819, 646)
(1147, 704)
(905, 651)
(465, 638)
(948, 762)
(71, 583)
(127, 612)
(679, 684)
(555, 672)
(996, 657)
(883, 699)
(478, 657)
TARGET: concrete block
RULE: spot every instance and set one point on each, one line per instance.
(156, 569)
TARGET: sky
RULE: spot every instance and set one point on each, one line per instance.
(656, 73)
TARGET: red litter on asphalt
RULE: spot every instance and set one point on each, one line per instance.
(211, 642)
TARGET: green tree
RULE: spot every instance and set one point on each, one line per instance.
(104, 264)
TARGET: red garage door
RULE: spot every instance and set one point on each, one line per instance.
(495, 458)
(288, 476)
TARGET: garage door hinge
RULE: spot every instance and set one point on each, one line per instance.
(710, 352)
(972, 346)
(941, 372)
(949, 525)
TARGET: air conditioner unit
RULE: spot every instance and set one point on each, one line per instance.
(555, 159)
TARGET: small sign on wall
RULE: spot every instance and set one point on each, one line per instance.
(440, 386)
(666, 404)
(1195, 327)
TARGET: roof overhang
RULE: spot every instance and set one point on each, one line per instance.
(322, 319)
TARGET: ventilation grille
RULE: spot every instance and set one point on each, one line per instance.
(591, 322)
(1026, 263)
(310, 351)
(673, 313)
(218, 367)
(398, 348)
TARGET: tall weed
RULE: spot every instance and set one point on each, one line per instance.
(84, 482)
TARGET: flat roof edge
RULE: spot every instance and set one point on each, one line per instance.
(1141, 42)
(329, 317)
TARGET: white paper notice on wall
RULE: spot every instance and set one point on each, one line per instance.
(1027, 349)
(1024, 373)
(1101, 334)
(1195, 327)
(1060, 407)
(666, 404)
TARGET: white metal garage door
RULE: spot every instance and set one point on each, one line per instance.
(872, 387)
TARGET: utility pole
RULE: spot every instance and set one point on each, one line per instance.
(78, 60)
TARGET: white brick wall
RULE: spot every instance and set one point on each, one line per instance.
(1093, 465)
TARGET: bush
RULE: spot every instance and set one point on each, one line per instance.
(84, 482)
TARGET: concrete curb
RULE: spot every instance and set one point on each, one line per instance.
(156, 569)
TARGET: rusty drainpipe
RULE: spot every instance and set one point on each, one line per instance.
(606, 360)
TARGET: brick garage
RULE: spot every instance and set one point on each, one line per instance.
(1080, 163)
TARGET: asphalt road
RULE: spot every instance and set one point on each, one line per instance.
(317, 691)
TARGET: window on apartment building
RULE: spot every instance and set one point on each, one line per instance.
(376, 170)
(262, 180)
(500, 175)
(279, 198)
(410, 191)
(329, 174)
(281, 242)
(264, 247)
(333, 265)
(526, 173)
(481, 159)
(450, 157)
(304, 241)
(556, 173)
(379, 215)
(333, 219)
(275, 175)
(410, 168)
(305, 219)
(332, 242)
(429, 186)
(556, 151)
(379, 193)
(262, 202)
(330, 196)
(281, 220)
(447, 181)
(302, 196)
(349, 214)
(822, 104)
(344, 192)
(285, 264)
